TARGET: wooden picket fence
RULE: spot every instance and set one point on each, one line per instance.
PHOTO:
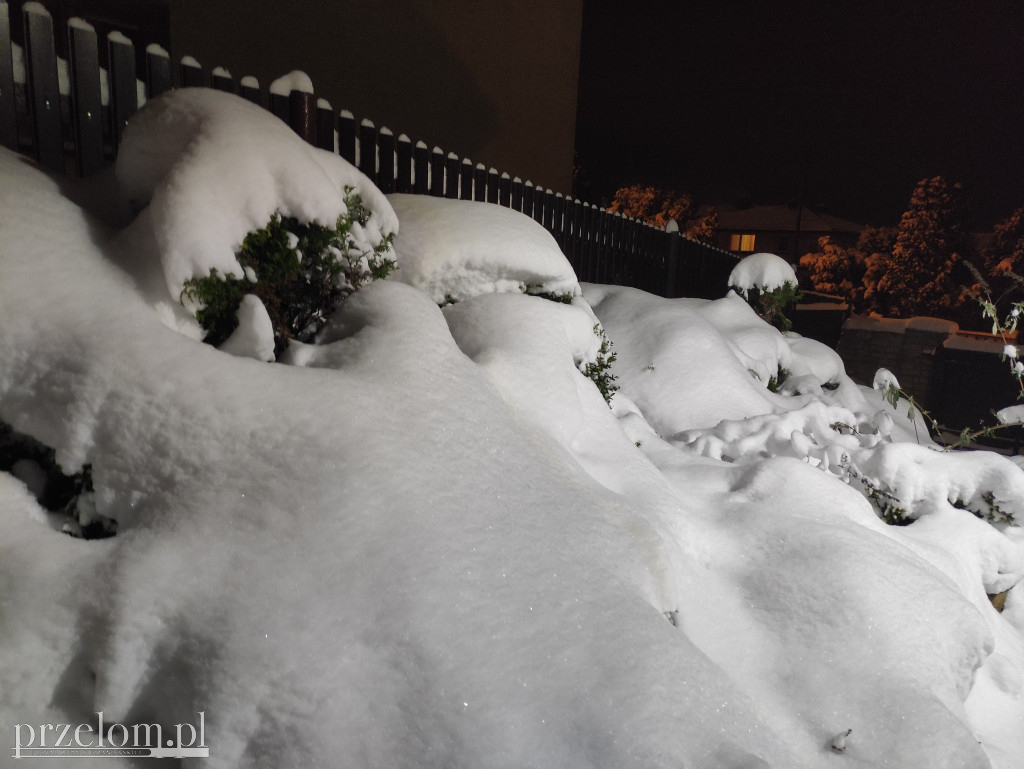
(69, 113)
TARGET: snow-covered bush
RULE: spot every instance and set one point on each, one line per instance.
(769, 285)
(299, 271)
(234, 203)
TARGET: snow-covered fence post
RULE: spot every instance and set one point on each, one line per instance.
(672, 259)
(347, 136)
(8, 121)
(221, 80)
(537, 209)
(549, 210)
(505, 190)
(529, 193)
(324, 125)
(421, 168)
(191, 73)
(368, 149)
(86, 104)
(451, 176)
(124, 95)
(386, 172)
(43, 89)
(587, 240)
(492, 185)
(466, 179)
(558, 220)
(437, 172)
(480, 183)
(158, 71)
(517, 194)
(403, 180)
(576, 246)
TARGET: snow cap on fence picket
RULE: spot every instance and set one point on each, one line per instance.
(504, 175)
(517, 180)
(190, 61)
(249, 82)
(323, 104)
(154, 48)
(529, 183)
(220, 72)
(437, 150)
(119, 37)
(385, 131)
(296, 80)
(78, 23)
(404, 138)
(34, 7)
(672, 226)
(492, 170)
(366, 123)
(452, 156)
(346, 114)
(421, 145)
(481, 167)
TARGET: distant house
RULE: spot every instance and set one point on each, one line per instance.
(784, 230)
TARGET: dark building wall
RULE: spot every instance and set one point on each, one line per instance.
(492, 80)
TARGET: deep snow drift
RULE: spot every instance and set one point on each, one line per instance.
(430, 543)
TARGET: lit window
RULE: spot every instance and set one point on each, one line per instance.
(741, 243)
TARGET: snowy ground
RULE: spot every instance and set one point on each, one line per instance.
(430, 542)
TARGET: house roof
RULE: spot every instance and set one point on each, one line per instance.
(782, 218)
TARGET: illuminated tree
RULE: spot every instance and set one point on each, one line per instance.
(656, 206)
(832, 268)
(874, 247)
(925, 274)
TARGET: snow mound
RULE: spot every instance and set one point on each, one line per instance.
(213, 167)
(673, 363)
(454, 249)
(763, 271)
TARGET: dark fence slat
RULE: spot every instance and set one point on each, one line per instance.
(505, 191)
(466, 179)
(368, 149)
(347, 136)
(576, 247)
(302, 115)
(528, 196)
(558, 224)
(324, 126)
(86, 106)
(492, 185)
(158, 71)
(279, 106)
(549, 211)
(191, 73)
(538, 205)
(386, 173)
(221, 80)
(480, 182)
(421, 168)
(124, 95)
(403, 153)
(8, 119)
(44, 92)
(517, 194)
(437, 172)
(451, 182)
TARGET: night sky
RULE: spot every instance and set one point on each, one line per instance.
(846, 104)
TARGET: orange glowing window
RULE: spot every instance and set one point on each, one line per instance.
(741, 243)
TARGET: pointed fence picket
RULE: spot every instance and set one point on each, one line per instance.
(80, 134)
